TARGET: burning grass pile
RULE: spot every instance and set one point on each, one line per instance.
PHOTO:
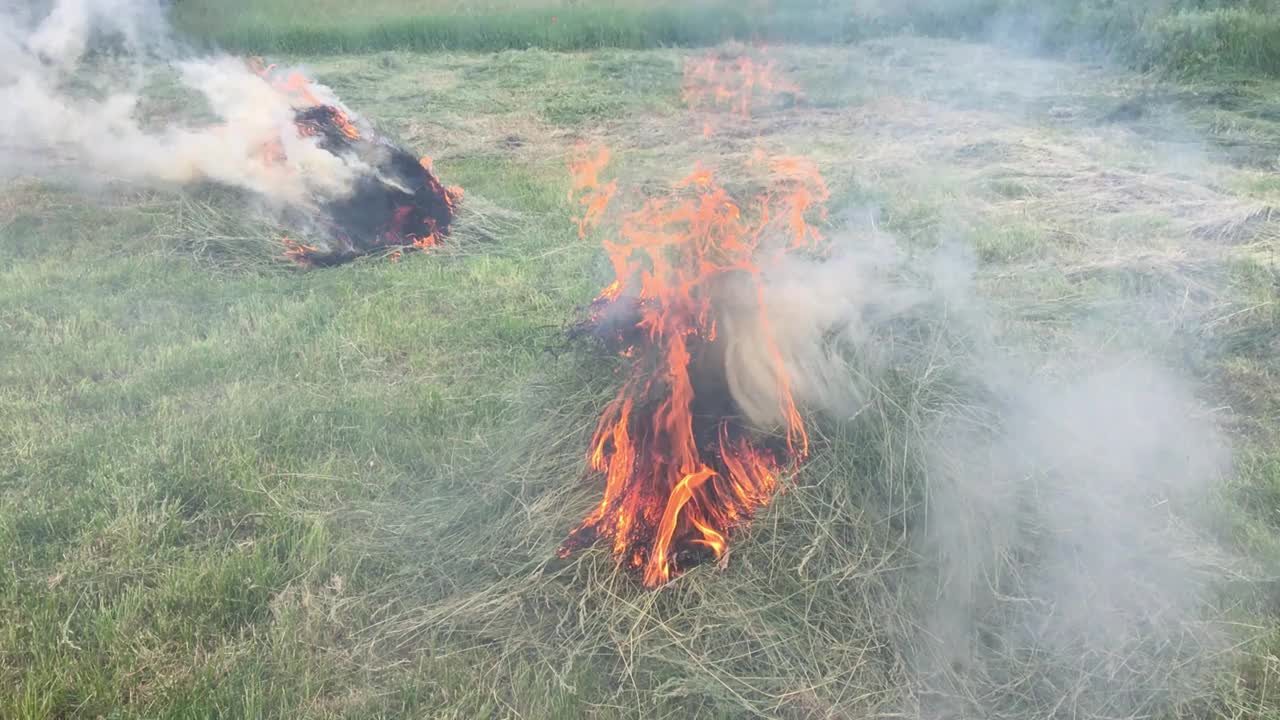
(394, 202)
(119, 102)
(683, 463)
(689, 453)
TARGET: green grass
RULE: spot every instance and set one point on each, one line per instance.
(232, 489)
(1187, 36)
(341, 27)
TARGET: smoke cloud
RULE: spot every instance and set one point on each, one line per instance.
(51, 123)
(818, 314)
(1061, 575)
(1063, 568)
(1058, 573)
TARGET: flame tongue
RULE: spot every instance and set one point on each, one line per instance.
(681, 468)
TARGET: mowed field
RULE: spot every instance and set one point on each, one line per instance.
(231, 488)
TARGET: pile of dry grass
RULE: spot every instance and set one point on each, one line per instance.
(906, 570)
(223, 229)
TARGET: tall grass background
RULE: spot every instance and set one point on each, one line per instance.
(1181, 36)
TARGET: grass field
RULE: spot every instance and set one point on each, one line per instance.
(233, 489)
(1178, 36)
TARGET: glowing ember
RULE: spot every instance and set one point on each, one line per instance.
(297, 251)
(399, 203)
(681, 469)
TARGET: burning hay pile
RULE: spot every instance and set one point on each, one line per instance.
(395, 202)
(705, 420)
(306, 160)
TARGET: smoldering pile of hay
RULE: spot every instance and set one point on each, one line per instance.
(75, 77)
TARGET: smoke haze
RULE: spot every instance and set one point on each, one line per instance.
(1058, 573)
(49, 127)
(1063, 568)
(817, 314)
(1059, 567)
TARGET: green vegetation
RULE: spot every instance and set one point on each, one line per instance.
(1182, 36)
(233, 489)
(336, 28)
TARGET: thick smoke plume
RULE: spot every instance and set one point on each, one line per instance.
(1062, 565)
(1058, 573)
(1063, 574)
(817, 313)
(51, 123)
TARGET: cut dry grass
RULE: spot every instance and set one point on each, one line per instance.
(231, 491)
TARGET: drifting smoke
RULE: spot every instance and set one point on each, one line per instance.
(818, 313)
(1062, 569)
(1061, 576)
(1058, 573)
(47, 126)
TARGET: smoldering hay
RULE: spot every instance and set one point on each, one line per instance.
(268, 131)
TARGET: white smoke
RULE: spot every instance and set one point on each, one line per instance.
(1060, 574)
(48, 126)
(816, 314)
(1063, 574)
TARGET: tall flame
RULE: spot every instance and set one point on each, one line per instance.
(681, 469)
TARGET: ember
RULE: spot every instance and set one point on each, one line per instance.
(682, 466)
(398, 203)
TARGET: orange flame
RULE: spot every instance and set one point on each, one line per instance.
(676, 481)
(296, 251)
(344, 123)
(735, 85)
(587, 191)
(798, 187)
(293, 83)
(297, 85)
(298, 89)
